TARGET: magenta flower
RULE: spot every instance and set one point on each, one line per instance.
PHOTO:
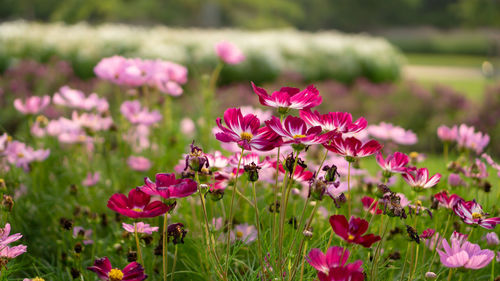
(447, 201)
(394, 163)
(353, 231)
(333, 267)
(139, 163)
(352, 148)
(137, 205)
(300, 175)
(132, 272)
(168, 187)
(141, 228)
(428, 233)
(333, 121)
(464, 254)
(246, 131)
(294, 131)
(138, 115)
(229, 53)
(472, 213)
(419, 179)
(447, 134)
(389, 132)
(369, 204)
(289, 98)
(32, 105)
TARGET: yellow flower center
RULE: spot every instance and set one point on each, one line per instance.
(137, 209)
(115, 275)
(350, 237)
(239, 234)
(20, 155)
(246, 136)
(419, 203)
(413, 155)
(477, 216)
(299, 136)
(9, 138)
(37, 279)
(42, 119)
(82, 137)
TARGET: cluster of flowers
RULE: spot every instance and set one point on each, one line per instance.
(466, 137)
(17, 153)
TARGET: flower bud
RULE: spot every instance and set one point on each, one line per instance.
(176, 232)
(430, 275)
(331, 173)
(252, 171)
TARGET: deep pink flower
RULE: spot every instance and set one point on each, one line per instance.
(464, 254)
(141, 228)
(428, 233)
(246, 131)
(472, 213)
(394, 163)
(447, 201)
(294, 131)
(32, 105)
(132, 272)
(229, 53)
(333, 267)
(389, 132)
(139, 163)
(138, 115)
(351, 147)
(168, 187)
(137, 205)
(369, 205)
(289, 98)
(333, 121)
(447, 134)
(300, 175)
(353, 230)
(419, 179)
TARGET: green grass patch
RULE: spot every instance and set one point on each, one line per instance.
(446, 59)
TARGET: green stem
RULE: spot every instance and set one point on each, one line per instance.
(257, 221)
(230, 220)
(276, 189)
(437, 241)
(450, 274)
(302, 266)
(165, 249)
(173, 266)
(139, 253)
(299, 226)
(349, 188)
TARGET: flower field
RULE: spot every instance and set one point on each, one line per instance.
(156, 169)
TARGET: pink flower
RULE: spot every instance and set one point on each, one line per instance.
(132, 272)
(110, 68)
(447, 201)
(468, 138)
(137, 205)
(428, 233)
(7, 251)
(141, 228)
(491, 238)
(94, 122)
(32, 105)
(86, 234)
(352, 147)
(333, 267)
(369, 204)
(294, 131)
(139, 163)
(419, 179)
(447, 134)
(300, 175)
(168, 187)
(12, 252)
(187, 126)
(465, 255)
(333, 121)
(492, 163)
(389, 132)
(477, 170)
(289, 98)
(6, 238)
(21, 155)
(246, 131)
(91, 179)
(138, 115)
(472, 213)
(245, 233)
(394, 163)
(455, 180)
(249, 159)
(217, 161)
(76, 99)
(229, 53)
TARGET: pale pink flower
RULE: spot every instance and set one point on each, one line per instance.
(465, 255)
(86, 234)
(139, 163)
(73, 98)
(141, 228)
(229, 53)
(389, 132)
(21, 155)
(32, 105)
(447, 134)
(91, 179)
(468, 138)
(491, 238)
(245, 233)
(138, 115)
(187, 127)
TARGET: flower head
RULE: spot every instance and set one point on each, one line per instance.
(353, 230)
(168, 187)
(333, 121)
(229, 53)
(352, 148)
(289, 98)
(137, 205)
(139, 163)
(394, 163)
(464, 254)
(446, 200)
(447, 134)
(419, 179)
(468, 138)
(138, 115)
(140, 227)
(245, 233)
(333, 267)
(472, 213)
(389, 132)
(132, 272)
(32, 105)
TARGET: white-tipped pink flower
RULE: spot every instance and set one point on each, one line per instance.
(352, 148)
(229, 53)
(472, 213)
(394, 163)
(140, 227)
(419, 179)
(333, 121)
(32, 105)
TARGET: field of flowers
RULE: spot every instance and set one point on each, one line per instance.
(146, 172)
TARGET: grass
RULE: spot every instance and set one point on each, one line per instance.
(446, 60)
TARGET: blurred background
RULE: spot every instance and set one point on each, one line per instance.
(415, 63)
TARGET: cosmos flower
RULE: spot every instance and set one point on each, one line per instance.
(369, 205)
(9, 252)
(389, 132)
(139, 163)
(168, 187)
(447, 134)
(333, 121)
(229, 53)
(246, 131)
(333, 267)
(446, 200)
(353, 230)
(21, 155)
(472, 213)
(6, 238)
(73, 98)
(464, 254)
(141, 228)
(91, 179)
(132, 272)
(289, 98)
(491, 238)
(86, 234)
(352, 148)
(137, 205)
(454, 180)
(468, 138)
(394, 163)
(419, 179)
(244, 232)
(32, 105)
(138, 115)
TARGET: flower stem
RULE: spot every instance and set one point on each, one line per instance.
(139, 253)
(257, 221)
(349, 188)
(273, 229)
(173, 266)
(230, 218)
(450, 274)
(165, 249)
(302, 266)
(437, 241)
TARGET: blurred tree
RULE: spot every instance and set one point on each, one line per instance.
(479, 12)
